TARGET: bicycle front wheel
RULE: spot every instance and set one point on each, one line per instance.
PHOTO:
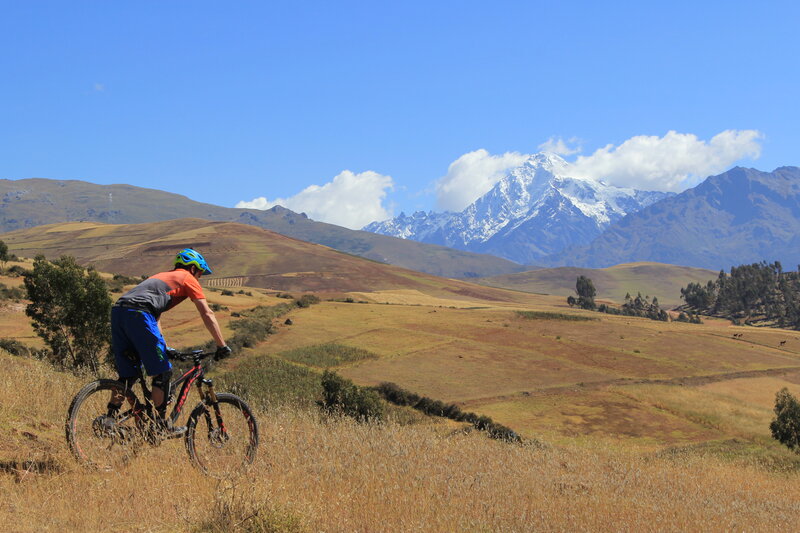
(222, 440)
(96, 439)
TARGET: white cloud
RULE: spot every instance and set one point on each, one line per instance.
(558, 146)
(99, 87)
(350, 200)
(471, 176)
(669, 163)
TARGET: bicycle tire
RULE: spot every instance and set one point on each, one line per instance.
(214, 452)
(96, 440)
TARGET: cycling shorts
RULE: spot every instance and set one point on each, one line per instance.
(134, 331)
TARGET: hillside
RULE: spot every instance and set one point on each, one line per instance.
(34, 202)
(738, 217)
(627, 422)
(612, 283)
(239, 255)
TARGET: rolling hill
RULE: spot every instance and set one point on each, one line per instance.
(653, 279)
(34, 202)
(239, 255)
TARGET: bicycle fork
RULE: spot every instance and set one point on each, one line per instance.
(218, 434)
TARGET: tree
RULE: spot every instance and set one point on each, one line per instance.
(4, 257)
(786, 425)
(70, 309)
(586, 292)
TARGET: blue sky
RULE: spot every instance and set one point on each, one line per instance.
(379, 108)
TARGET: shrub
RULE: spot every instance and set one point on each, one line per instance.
(786, 425)
(340, 395)
(307, 300)
(393, 393)
(226, 292)
(15, 347)
(11, 293)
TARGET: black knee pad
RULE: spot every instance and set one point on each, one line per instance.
(162, 381)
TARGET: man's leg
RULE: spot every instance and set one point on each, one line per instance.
(150, 345)
(125, 358)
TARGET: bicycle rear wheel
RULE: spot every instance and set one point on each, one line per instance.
(96, 439)
(222, 441)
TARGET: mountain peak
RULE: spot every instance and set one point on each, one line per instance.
(549, 161)
(534, 210)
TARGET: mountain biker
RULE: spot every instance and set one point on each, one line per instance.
(136, 330)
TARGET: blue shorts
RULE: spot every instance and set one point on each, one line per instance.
(136, 333)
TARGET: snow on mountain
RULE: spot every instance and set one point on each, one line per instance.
(535, 210)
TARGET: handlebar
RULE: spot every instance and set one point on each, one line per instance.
(195, 355)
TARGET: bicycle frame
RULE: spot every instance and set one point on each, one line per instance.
(195, 374)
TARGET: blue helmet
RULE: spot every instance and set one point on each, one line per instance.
(188, 257)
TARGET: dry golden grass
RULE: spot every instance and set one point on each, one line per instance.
(336, 475)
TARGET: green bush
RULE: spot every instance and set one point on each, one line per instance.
(786, 425)
(226, 292)
(340, 395)
(307, 300)
(15, 347)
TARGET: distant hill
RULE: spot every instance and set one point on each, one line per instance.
(239, 255)
(34, 202)
(739, 217)
(651, 279)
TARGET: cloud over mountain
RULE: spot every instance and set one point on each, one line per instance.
(672, 163)
(350, 200)
(669, 163)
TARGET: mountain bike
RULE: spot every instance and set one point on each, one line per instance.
(221, 436)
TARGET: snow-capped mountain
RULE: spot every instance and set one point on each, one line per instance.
(535, 210)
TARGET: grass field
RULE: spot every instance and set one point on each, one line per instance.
(629, 424)
(316, 474)
(612, 283)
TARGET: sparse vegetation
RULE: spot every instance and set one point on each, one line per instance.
(327, 355)
(11, 293)
(547, 315)
(392, 392)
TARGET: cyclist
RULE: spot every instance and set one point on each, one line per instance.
(136, 330)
